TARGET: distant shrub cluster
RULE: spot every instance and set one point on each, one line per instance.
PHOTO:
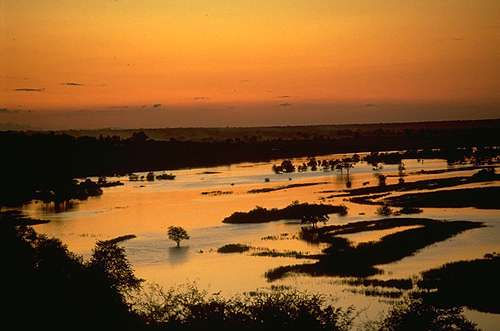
(293, 211)
(233, 248)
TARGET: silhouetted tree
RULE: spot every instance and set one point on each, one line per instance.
(110, 260)
(287, 166)
(139, 137)
(416, 314)
(384, 210)
(381, 179)
(315, 219)
(177, 233)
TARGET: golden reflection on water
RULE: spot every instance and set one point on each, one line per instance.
(376, 235)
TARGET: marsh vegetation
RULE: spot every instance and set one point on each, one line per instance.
(481, 198)
(341, 258)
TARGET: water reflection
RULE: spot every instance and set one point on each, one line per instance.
(178, 255)
(58, 207)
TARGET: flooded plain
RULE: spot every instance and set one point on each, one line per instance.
(147, 209)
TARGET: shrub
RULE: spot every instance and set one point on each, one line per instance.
(407, 210)
(414, 314)
(384, 210)
(233, 248)
(177, 233)
(188, 308)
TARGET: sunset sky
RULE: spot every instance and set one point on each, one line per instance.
(159, 63)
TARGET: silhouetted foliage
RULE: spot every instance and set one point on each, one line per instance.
(233, 248)
(408, 210)
(282, 309)
(286, 166)
(314, 219)
(293, 211)
(381, 179)
(177, 233)
(417, 315)
(403, 284)
(110, 261)
(384, 210)
(48, 287)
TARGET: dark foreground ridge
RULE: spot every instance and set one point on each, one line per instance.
(343, 259)
(291, 212)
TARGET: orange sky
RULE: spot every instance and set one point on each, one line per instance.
(249, 60)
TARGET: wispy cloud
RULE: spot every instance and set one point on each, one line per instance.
(72, 84)
(285, 104)
(26, 89)
(157, 105)
(201, 98)
(118, 107)
(283, 97)
(370, 105)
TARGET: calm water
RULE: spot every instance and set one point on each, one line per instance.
(147, 209)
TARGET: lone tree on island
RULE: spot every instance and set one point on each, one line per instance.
(177, 233)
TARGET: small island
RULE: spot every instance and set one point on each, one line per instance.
(295, 210)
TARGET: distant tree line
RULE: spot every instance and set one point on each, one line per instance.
(48, 161)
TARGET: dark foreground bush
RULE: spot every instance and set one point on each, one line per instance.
(191, 309)
(47, 287)
(416, 315)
